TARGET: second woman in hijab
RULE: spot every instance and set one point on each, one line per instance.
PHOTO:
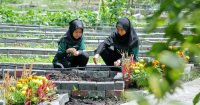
(124, 40)
(71, 45)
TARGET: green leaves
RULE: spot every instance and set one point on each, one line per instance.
(196, 99)
(49, 19)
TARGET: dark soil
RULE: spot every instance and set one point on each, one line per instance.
(58, 76)
(95, 101)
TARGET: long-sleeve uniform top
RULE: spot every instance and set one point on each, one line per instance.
(134, 51)
(62, 54)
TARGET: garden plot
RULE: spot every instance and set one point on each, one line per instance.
(89, 82)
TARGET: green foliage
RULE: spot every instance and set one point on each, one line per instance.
(179, 13)
(112, 10)
(49, 19)
(75, 88)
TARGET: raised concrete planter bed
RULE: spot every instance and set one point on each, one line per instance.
(107, 86)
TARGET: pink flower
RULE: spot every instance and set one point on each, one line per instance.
(47, 76)
(54, 85)
(31, 91)
(27, 103)
(26, 91)
(124, 69)
(43, 84)
(36, 93)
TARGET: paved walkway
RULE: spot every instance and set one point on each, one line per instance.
(183, 96)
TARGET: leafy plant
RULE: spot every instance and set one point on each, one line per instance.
(75, 88)
(29, 89)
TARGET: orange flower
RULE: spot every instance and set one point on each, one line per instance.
(153, 55)
(25, 80)
(170, 47)
(163, 66)
(163, 70)
(29, 78)
(173, 46)
(155, 66)
(156, 61)
(145, 64)
(21, 80)
(35, 77)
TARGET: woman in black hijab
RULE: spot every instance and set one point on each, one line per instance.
(71, 45)
(124, 40)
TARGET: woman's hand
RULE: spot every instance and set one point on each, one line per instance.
(76, 53)
(117, 63)
(95, 58)
(73, 51)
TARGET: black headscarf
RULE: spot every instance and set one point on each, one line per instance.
(129, 40)
(68, 36)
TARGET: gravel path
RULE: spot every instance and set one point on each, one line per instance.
(183, 96)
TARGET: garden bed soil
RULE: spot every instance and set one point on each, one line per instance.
(95, 101)
(58, 76)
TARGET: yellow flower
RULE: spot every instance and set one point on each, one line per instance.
(178, 52)
(141, 66)
(25, 85)
(24, 88)
(47, 89)
(132, 64)
(137, 71)
(19, 85)
(39, 77)
(187, 57)
(137, 63)
(137, 67)
(141, 60)
(23, 92)
(13, 88)
(155, 66)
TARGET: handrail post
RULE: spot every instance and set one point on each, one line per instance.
(39, 25)
(5, 42)
(3, 72)
(7, 53)
(53, 43)
(98, 42)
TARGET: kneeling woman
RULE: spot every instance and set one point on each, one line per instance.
(124, 40)
(71, 45)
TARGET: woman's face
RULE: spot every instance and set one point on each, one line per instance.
(77, 33)
(121, 31)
